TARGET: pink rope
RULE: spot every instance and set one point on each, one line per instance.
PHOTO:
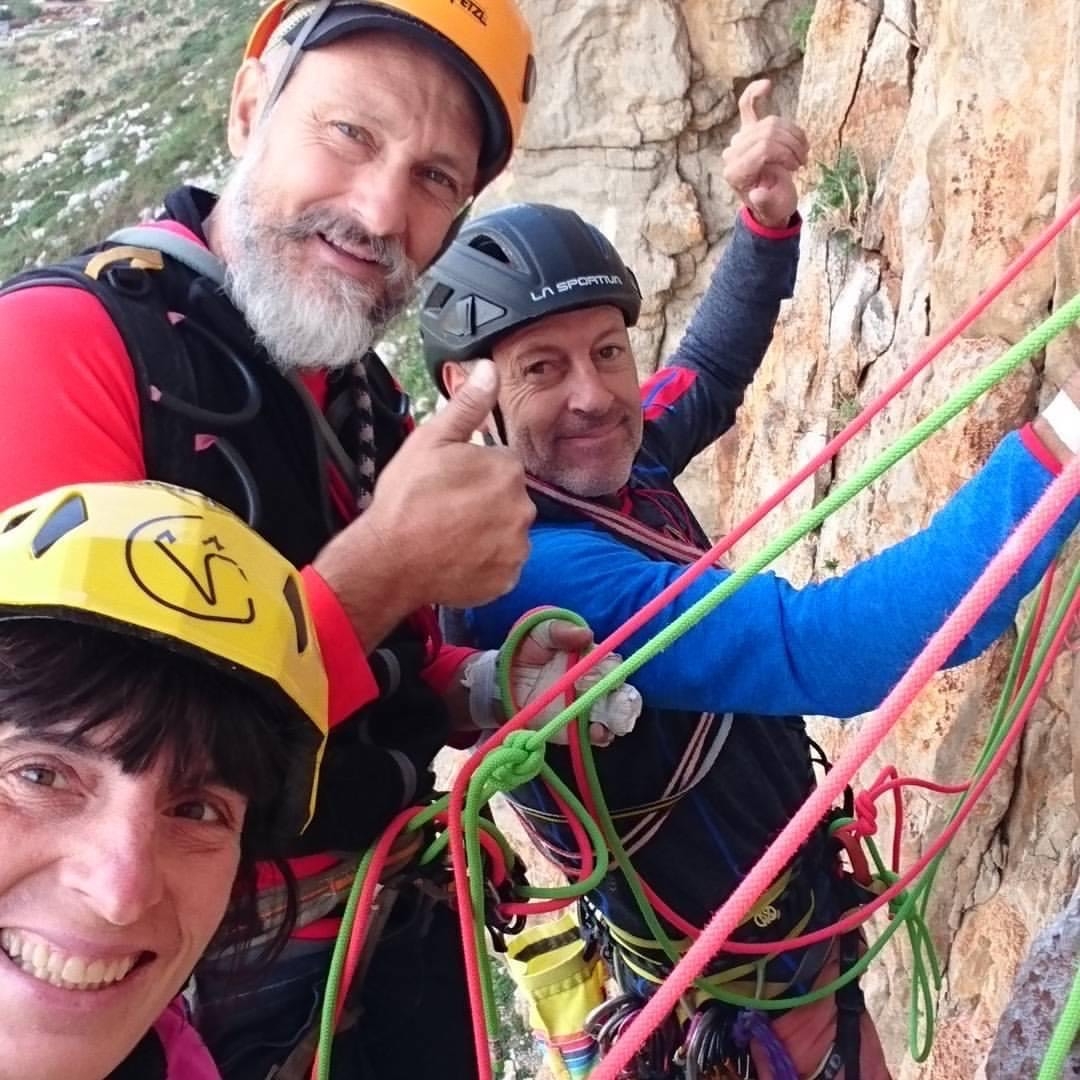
(1004, 565)
(675, 589)
(931, 353)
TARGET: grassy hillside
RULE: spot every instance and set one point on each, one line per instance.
(107, 104)
(104, 106)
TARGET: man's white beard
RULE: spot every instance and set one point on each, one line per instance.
(323, 320)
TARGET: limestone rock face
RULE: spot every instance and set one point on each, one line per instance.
(1045, 976)
(962, 122)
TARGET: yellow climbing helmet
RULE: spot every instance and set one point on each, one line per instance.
(165, 564)
(487, 41)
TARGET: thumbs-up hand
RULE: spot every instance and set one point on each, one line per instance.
(449, 522)
(464, 414)
(763, 157)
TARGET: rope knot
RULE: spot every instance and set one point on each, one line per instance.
(517, 761)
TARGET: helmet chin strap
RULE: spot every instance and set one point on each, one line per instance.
(500, 427)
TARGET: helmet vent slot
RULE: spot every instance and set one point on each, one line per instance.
(69, 515)
(296, 607)
(489, 247)
(438, 296)
(17, 520)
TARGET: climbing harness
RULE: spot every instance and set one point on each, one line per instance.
(1005, 738)
(514, 755)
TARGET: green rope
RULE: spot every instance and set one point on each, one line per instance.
(442, 842)
(514, 763)
(588, 884)
(523, 761)
(603, 862)
(504, 772)
(327, 1017)
(1064, 1036)
(1008, 711)
(705, 984)
(925, 966)
(1015, 661)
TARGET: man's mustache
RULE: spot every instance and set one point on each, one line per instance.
(388, 251)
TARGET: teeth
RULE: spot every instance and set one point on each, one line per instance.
(45, 962)
(363, 256)
(73, 971)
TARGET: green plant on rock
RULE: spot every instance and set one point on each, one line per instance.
(847, 409)
(844, 409)
(842, 197)
(514, 1042)
(68, 104)
(20, 11)
(800, 25)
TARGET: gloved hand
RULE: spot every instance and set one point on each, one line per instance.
(544, 655)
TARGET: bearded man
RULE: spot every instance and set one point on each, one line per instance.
(226, 347)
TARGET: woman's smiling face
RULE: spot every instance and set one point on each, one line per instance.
(111, 886)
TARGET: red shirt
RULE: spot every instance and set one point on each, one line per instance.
(69, 413)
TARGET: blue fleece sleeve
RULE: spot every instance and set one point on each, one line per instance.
(692, 400)
(836, 647)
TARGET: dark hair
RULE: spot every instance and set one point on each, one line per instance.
(164, 706)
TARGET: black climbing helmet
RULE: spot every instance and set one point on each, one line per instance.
(511, 267)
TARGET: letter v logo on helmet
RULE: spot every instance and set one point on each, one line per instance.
(203, 582)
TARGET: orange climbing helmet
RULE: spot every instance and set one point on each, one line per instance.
(487, 41)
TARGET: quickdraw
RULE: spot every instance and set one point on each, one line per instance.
(657, 1057)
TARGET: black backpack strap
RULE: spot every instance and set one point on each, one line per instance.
(850, 1006)
(121, 280)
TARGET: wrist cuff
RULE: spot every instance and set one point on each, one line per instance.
(479, 678)
(1063, 416)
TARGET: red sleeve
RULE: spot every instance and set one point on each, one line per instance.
(439, 673)
(1037, 448)
(351, 681)
(69, 412)
(792, 228)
